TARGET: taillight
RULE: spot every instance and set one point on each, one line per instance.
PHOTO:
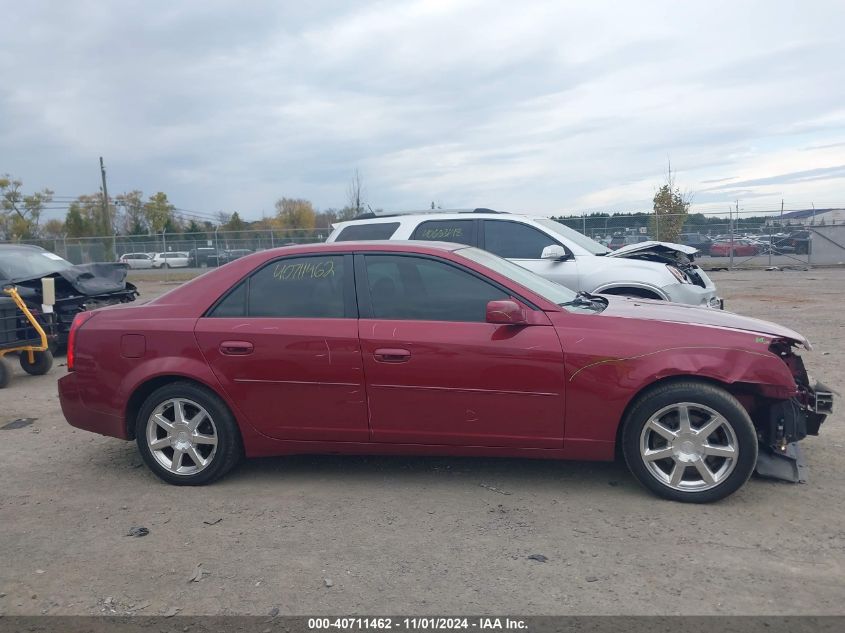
(78, 321)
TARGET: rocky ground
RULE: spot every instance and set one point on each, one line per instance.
(346, 535)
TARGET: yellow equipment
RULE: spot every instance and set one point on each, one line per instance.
(24, 337)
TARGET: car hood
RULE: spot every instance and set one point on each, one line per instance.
(625, 307)
(656, 251)
(88, 280)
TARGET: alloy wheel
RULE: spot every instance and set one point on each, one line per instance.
(689, 447)
(182, 436)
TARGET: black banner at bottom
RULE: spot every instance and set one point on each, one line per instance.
(328, 624)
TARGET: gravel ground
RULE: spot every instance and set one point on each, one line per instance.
(346, 535)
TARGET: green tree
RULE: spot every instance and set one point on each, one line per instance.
(53, 229)
(235, 223)
(158, 212)
(83, 216)
(20, 213)
(671, 208)
(295, 213)
(133, 220)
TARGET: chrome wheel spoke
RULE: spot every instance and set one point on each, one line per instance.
(178, 412)
(719, 451)
(195, 456)
(711, 426)
(159, 444)
(705, 472)
(199, 438)
(163, 422)
(195, 421)
(663, 431)
(684, 425)
(652, 455)
(677, 473)
(176, 461)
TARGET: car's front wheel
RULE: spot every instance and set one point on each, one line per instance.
(689, 441)
(187, 435)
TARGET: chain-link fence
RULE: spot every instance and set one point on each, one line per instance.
(737, 241)
(83, 250)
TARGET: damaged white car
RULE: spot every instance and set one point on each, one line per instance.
(651, 270)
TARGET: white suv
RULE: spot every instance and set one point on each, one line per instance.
(652, 270)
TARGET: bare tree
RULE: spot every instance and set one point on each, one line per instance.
(355, 195)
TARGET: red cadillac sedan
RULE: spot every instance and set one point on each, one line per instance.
(426, 348)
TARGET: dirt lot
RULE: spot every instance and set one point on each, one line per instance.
(421, 535)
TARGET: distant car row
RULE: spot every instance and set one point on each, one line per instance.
(722, 245)
(197, 258)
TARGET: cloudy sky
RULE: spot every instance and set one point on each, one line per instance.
(544, 107)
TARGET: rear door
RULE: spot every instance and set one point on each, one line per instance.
(438, 373)
(284, 345)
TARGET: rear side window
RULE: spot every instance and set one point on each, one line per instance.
(234, 304)
(416, 288)
(514, 240)
(299, 287)
(373, 231)
(459, 231)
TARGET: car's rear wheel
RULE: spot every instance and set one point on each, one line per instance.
(42, 362)
(689, 441)
(187, 435)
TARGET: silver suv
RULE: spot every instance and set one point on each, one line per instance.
(652, 270)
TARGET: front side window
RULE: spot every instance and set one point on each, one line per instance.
(297, 287)
(459, 231)
(417, 288)
(514, 240)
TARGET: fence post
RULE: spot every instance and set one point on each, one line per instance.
(771, 246)
(164, 254)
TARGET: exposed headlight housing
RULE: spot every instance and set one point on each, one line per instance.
(678, 274)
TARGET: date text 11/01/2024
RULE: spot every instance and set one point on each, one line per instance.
(424, 623)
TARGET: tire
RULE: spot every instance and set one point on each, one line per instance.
(43, 362)
(672, 458)
(215, 421)
(5, 372)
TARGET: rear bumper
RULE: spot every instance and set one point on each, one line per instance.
(83, 417)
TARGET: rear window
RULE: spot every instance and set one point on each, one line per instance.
(460, 231)
(374, 231)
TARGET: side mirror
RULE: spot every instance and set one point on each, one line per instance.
(506, 312)
(555, 252)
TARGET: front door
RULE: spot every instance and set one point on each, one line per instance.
(438, 373)
(284, 346)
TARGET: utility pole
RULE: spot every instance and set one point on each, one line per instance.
(105, 218)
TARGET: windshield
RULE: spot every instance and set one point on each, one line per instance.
(550, 290)
(26, 264)
(589, 245)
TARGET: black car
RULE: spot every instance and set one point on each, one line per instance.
(198, 257)
(224, 257)
(78, 288)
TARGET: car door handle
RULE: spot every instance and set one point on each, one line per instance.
(236, 348)
(392, 355)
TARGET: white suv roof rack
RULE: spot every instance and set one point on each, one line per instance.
(390, 214)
